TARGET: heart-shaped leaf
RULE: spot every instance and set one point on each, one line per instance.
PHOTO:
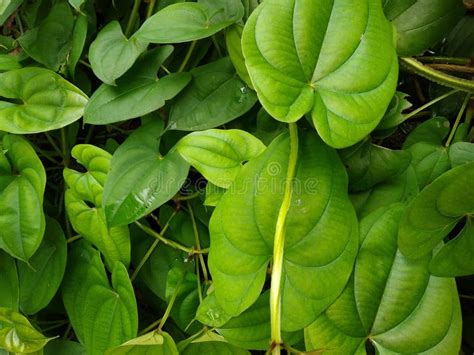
(391, 301)
(317, 258)
(334, 61)
(9, 285)
(84, 205)
(48, 101)
(219, 154)
(190, 21)
(103, 315)
(140, 178)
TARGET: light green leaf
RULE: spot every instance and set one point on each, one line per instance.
(213, 194)
(9, 286)
(103, 315)
(40, 280)
(84, 205)
(233, 40)
(76, 4)
(141, 179)
(190, 21)
(48, 101)
(9, 62)
(393, 116)
(111, 54)
(211, 313)
(137, 93)
(17, 335)
(434, 213)
(214, 97)
(391, 301)
(78, 41)
(461, 153)
(219, 155)
(321, 232)
(7, 7)
(154, 343)
(22, 220)
(327, 59)
(421, 23)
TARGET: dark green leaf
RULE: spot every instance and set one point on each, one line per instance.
(9, 286)
(461, 153)
(78, 40)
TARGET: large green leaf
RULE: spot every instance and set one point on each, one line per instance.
(9, 286)
(433, 214)
(17, 335)
(214, 97)
(103, 315)
(190, 21)
(421, 23)
(140, 178)
(391, 301)
(333, 61)
(47, 101)
(22, 185)
(137, 93)
(219, 155)
(40, 280)
(461, 153)
(111, 54)
(84, 205)
(321, 232)
(153, 343)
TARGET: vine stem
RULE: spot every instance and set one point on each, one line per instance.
(133, 17)
(187, 57)
(458, 120)
(428, 104)
(279, 243)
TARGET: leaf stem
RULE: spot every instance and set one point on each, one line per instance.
(430, 103)
(150, 8)
(73, 239)
(170, 306)
(133, 17)
(458, 120)
(187, 57)
(279, 243)
(444, 60)
(198, 244)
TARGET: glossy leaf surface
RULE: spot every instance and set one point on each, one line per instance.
(233, 40)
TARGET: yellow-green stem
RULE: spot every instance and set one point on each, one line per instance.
(279, 244)
(428, 104)
(458, 120)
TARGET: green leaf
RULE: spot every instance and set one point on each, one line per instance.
(17, 335)
(219, 155)
(321, 232)
(391, 301)
(40, 280)
(111, 54)
(219, 347)
(103, 315)
(154, 343)
(327, 59)
(8, 7)
(76, 4)
(47, 101)
(22, 220)
(434, 131)
(434, 213)
(393, 116)
(369, 164)
(211, 313)
(461, 153)
(50, 42)
(421, 23)
(78, 41)
(233, 40)
(190, 21)
(213, 194)
(137, 93)
(83, 201)
(9, 62)
(64, 347)
(214, 97)
(141, 179)
(9, 286)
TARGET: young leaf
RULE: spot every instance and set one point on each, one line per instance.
(9, 286)
(22, 220)
(40, 280)
(83, 201)
(48, 101)
(102, 315)
(219, 155)
(393, 116)
(214, 97)
(156, 343)
(17, 335)
(242, 231)
(334, 61)
(190, 21)
(137, 93)
(111, 54)
(391, 301)
(140, 178)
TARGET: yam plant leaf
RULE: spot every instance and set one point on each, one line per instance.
(22, 185)
(433, 214)
(9, 285)
(137, 93)
(9, 62)
(83, 201)
(332, 61)
(211, 344)
(111, 54)
(393, 116)
(8, 7)
(153, 343)
(103, 314)
(213, 194)
(140, 179)
(421, 23)
(219, 155)
(214, 97)
(78, 41)
(391, 300)
(233, 40)
(190, 21)
(321, 232)
(64, 347)
(17, 335)
(47, 101)
(40, 280)
(461, 153)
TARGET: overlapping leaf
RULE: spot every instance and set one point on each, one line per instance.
(154, 343)
(9, 285)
